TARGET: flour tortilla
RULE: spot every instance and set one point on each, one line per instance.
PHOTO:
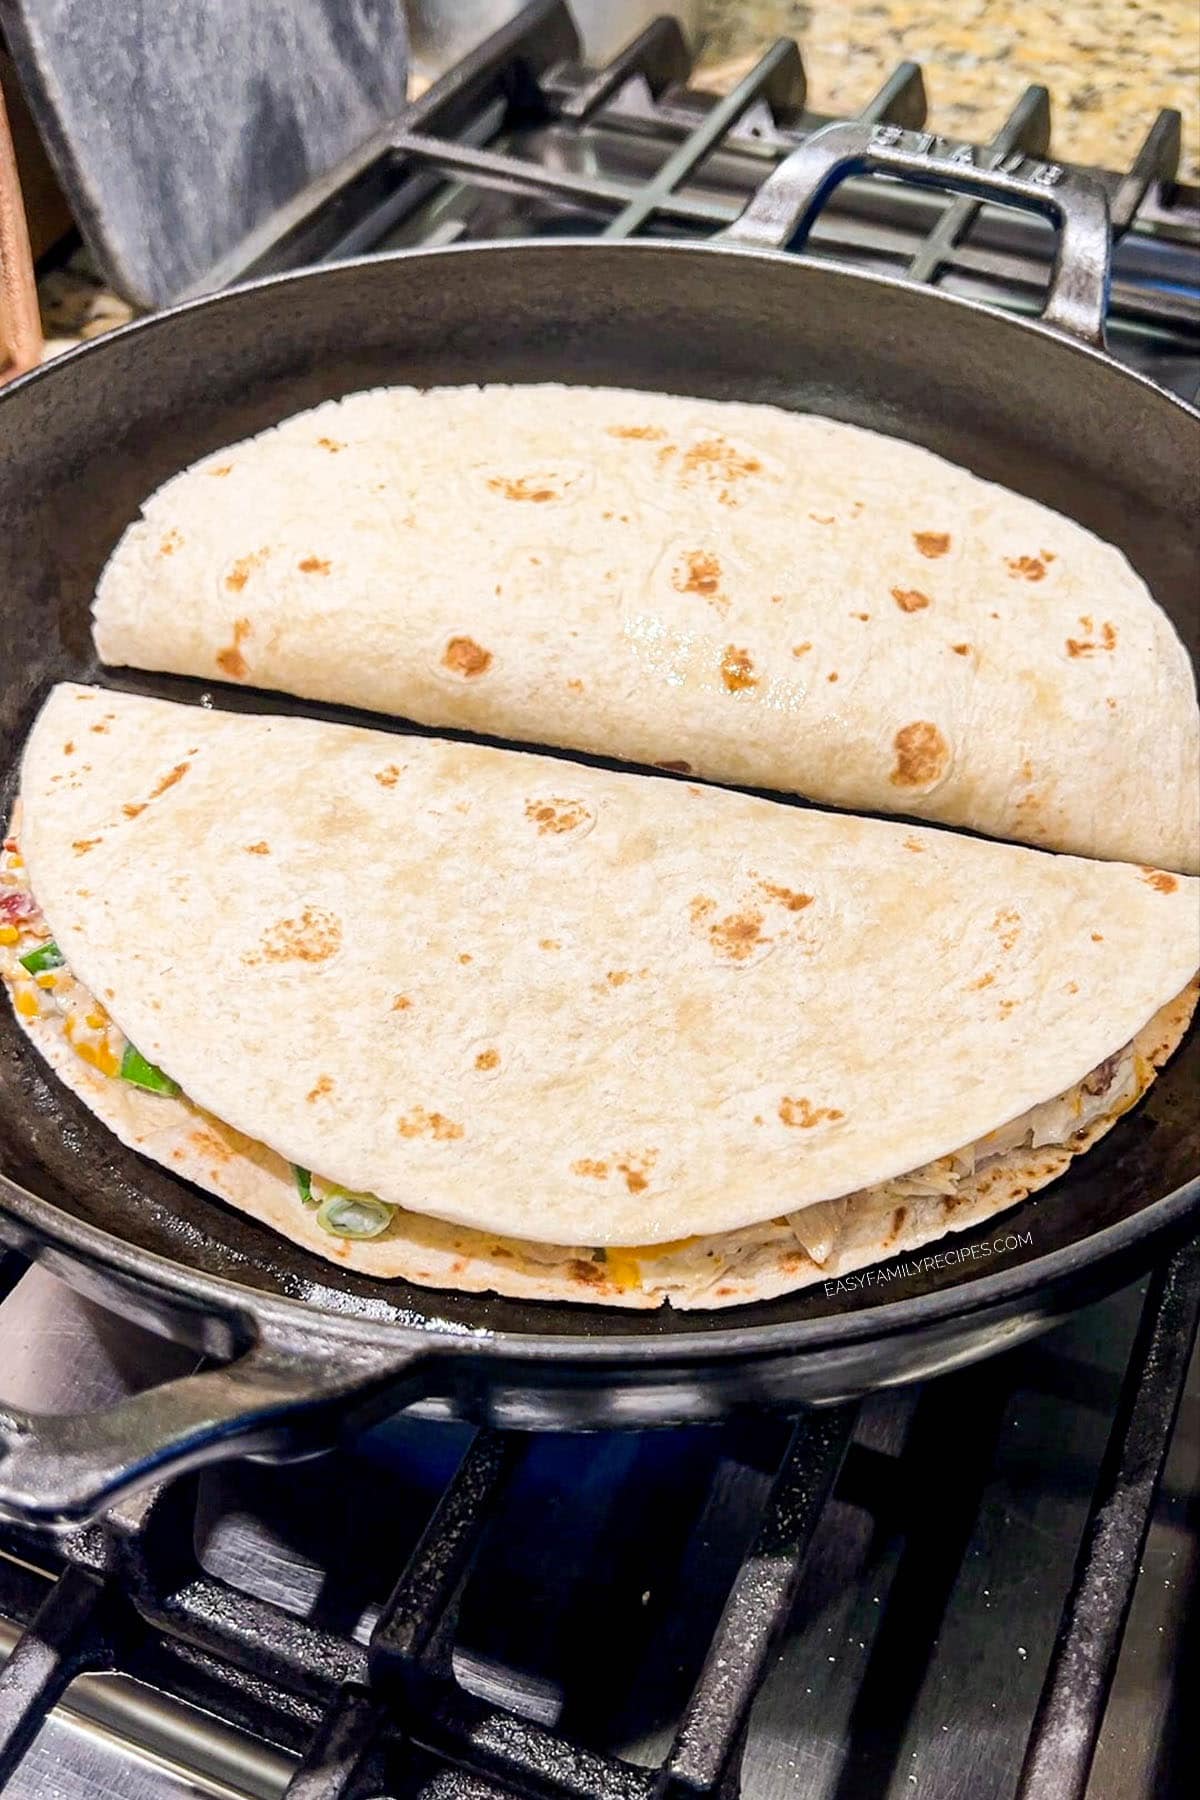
(771, 599)
(563, 1005)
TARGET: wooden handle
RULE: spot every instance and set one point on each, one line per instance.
(20, 324)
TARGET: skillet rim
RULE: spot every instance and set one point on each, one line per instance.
(175, 1282)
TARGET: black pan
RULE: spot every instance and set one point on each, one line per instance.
(1035, 405)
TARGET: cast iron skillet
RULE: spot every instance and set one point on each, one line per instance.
(1035, 405)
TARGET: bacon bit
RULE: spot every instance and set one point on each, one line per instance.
(330, 444)
(324, 1085)
(466, 658)
(314, 937)
(557, 815)
(521, 488)
(910, 599)
(132, 808)
(82, 845)
(914, 844)
(488, 1059)
(737, 670)
(1159, 880)
(401, 1003)
(801, 649)
(575, 686)
(786, 896)
(170, 543)
(19, 908)
(419, 1123)
(262, 848)
(932, 543)
(803, 1113)
(701, 574)
(223, 470)
(549, 944)
(652, 434)
(1026, 568)
(961, 649)
(313, 565)
(230, 659)
(922, 754)
(244, 567)
(822, 518)
(389, 775)
(985, 981)
(588, 1166)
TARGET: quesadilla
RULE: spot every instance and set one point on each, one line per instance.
(740, 593)
(488, 1020)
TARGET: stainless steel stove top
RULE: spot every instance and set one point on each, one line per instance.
(937, 1576)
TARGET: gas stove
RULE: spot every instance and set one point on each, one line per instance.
(925, 1594)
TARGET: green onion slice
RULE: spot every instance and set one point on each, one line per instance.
(303, 1178)
(46, 956)
(143, 1074)
(354, 1215)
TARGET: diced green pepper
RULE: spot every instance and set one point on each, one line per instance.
(143, 1074)
(46, 956)
(354, 1215)
(304, 1184)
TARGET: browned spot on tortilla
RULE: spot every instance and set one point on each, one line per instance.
(575, 685)
(863, 616)
(590, 1273)
(230, 658)
(921, 755)
(821, 518)
(555, 816)
(464, 956)
(1072, 987)
(1111, 704)
(910, 599)
(401, 1003)
(911, 843)
(488, 1059)
(699, 572)
(419, 1123)
(521, 487)
(961, 649)
(169, 779)
(932, 543)
(1085, 646)
(737, 670)
(801, 649)
(984, 981)
(1097, 937)
(588, 1166)
(313, 565)
(323, 1086)
(717, 459)
(223, 469)
(898, 1218)
(737, 935)
(132, 808)
(170, 543)
(675, 768)
(466, 657)
(1007, 925)
(832, 675)
(1159, 880)
(69, 747)
(776, 599)
(388, 776)
(101, 729)
(618, 977)
(652, 434)
(209, 1144)
(1007, 1006)
(313, 937)
(786, 896)
(636, 1169)
(549, 944)
(330, 444)
(700, 908)
(82, 845)
(1026, 568)
(800, 1111)
(244, 567)
(262, 848)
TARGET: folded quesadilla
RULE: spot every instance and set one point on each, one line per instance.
(488, 1020)
(741, 593)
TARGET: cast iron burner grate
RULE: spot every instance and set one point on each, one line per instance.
(390, 1719)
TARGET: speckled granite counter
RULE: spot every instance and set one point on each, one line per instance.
(1109, 64)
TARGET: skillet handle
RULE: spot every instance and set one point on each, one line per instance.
(787, 205)
(60, 1470)
(20, 325)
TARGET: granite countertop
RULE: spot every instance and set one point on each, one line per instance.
(1108, 64)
